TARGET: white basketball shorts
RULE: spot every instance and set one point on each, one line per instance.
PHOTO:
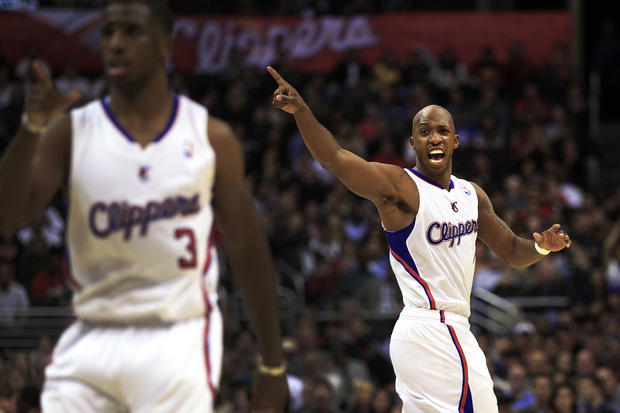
(438, 364)
(135, 369)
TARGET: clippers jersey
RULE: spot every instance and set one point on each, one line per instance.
(434, 257)
(140, 219)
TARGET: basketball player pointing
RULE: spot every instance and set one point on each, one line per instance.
(143, 168)
(431, 219)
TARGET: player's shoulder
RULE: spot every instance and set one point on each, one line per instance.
(465, 186)
(188, 102)
(394, 171)
(88, 108)
(457, 181)
(219, 130)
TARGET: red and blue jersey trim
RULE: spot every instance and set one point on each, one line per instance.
(397, 241)
(207, 303)
(465, 401)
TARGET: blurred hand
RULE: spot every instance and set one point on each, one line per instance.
(43, 101)
(285, 97)
(269, 394)
(553, 239)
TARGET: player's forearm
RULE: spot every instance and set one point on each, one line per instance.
(320, 141)
(522, 253)
(253, 268)
(15, 179)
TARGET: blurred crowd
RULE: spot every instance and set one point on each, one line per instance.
(524, 139)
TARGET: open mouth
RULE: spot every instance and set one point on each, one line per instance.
(117, 68)
(436, 155)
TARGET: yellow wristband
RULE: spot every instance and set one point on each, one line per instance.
(540, 249)
(270, 371)
(30, 127)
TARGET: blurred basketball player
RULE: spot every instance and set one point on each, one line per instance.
(148, 172)
(431, 219)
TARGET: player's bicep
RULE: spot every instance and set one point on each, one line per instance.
(370, 180)
(492, 230)
(50, 164)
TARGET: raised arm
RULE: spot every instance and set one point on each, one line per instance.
(250, 260)
(371, 180)
(36, 162)
(511, 249)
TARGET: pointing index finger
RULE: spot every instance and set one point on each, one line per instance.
(41, 74)
(276, 76)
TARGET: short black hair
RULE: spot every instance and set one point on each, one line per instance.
(160, 9)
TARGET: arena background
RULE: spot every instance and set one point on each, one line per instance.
(532, 88)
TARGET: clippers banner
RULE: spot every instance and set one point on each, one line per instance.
(208, 44)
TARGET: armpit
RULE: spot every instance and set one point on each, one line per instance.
(398, 202)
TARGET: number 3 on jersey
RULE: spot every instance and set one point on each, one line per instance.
(191, 261)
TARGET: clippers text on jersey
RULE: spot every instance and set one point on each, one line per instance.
(438, 232)
(106, 218)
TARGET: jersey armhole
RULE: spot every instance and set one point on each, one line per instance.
(421, 198)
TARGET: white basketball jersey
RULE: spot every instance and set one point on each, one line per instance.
(140, 219)
(434, 257)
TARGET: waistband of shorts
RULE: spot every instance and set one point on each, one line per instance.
(445, 317)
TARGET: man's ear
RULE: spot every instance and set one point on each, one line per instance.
(457, 139)
(412, 142)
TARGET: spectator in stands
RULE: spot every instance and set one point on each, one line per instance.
(585, 364)
(590, 397)
(351, 71)
(387, 71)
(542, 389)
(321, 397)
(11, 399)
(518, 68)
(531, 108)
(557, 73)
(8, 249)
(239, 400)
(486, 71)
(361, 398)
(49, 225)
(13, 297)
(521, 392)
(383, 401)
(49, 286)
(70, 81)
(449, 73)
(564, 399)
(416, 66)
(610, 385)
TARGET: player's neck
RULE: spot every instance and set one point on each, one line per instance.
(442, 179)
(143, 114)
(150, 99)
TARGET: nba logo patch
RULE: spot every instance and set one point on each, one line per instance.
(143, 173)
(466, 191)
(188, 149)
